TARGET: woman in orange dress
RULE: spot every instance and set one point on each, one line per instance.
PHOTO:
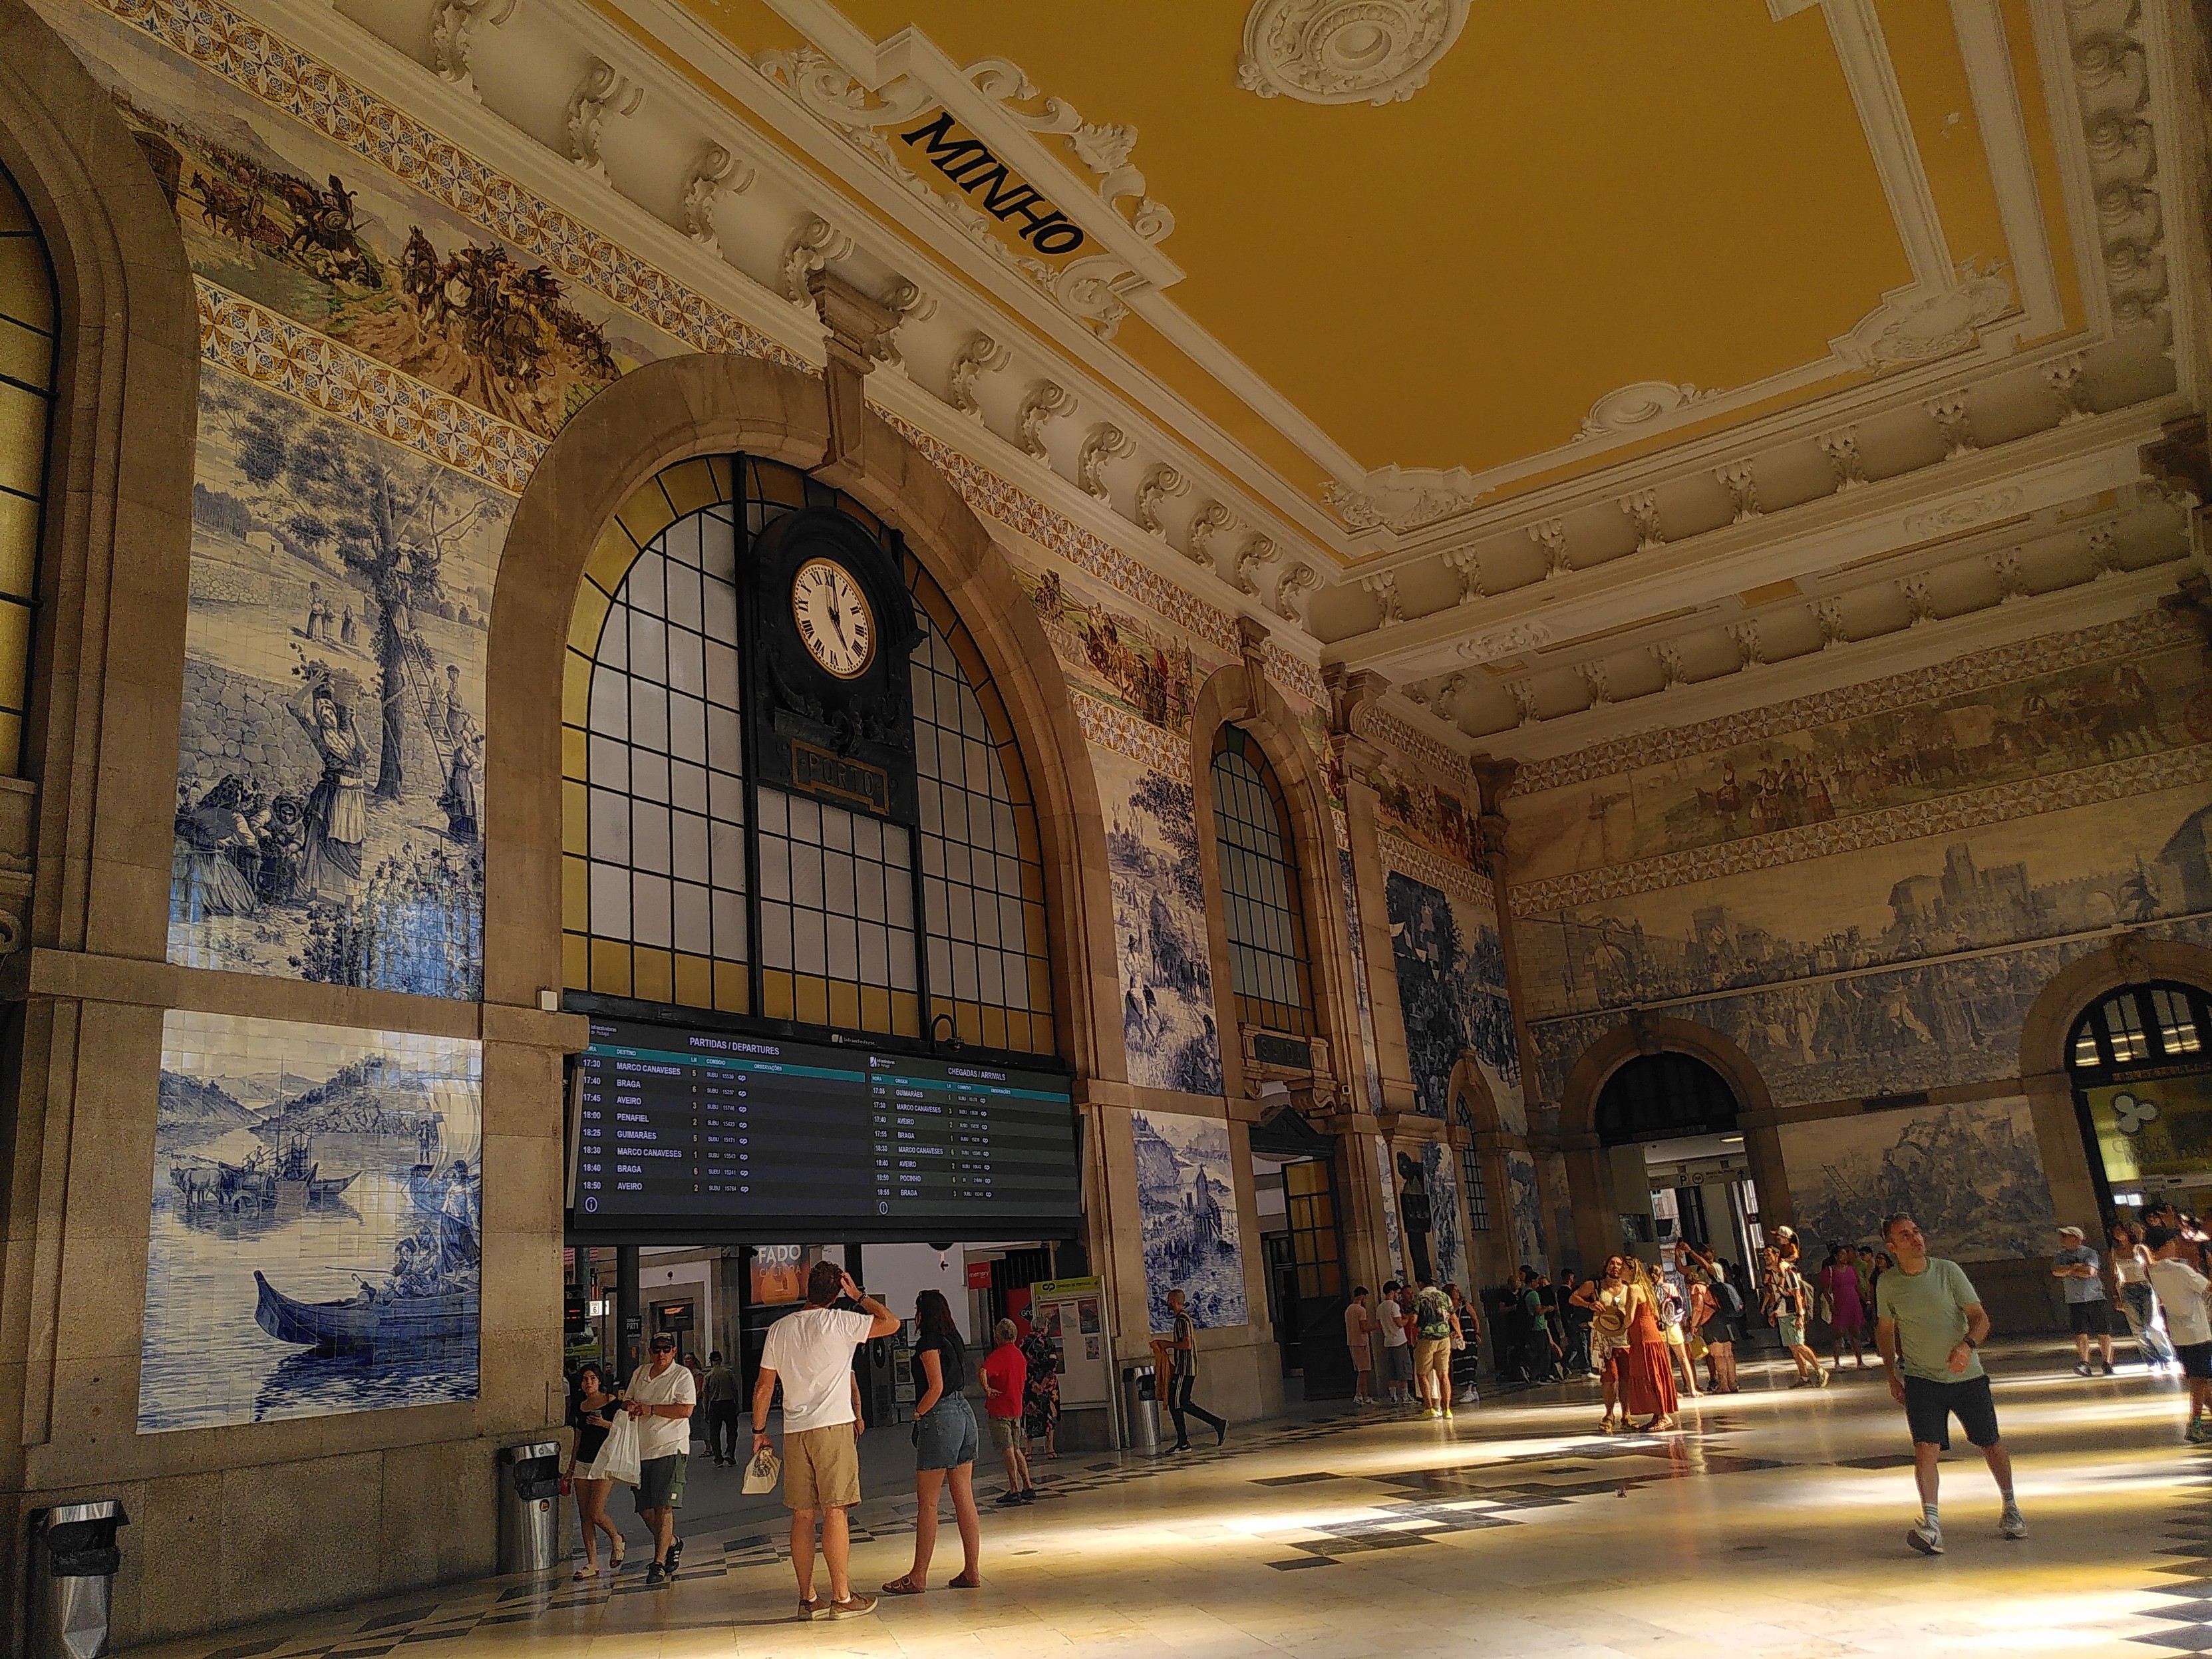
(1647, 1379)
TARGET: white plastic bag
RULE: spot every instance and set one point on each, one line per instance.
(618, 1458)
(762, 1473)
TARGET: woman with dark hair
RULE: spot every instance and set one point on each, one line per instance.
(945, 1442)
(591, 1414)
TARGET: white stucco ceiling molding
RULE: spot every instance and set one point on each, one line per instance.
(1402, 499)
(1346, 51)
(1647, 404)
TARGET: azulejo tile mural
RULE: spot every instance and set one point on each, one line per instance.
(1970, 1175)
(329, 767)
(315, 1244)
(1451, 990)
(2115, 863)
(1528, 1212)
(1847, 1035)
(1159, 925)
(1446, 1228)
(1187, 1194)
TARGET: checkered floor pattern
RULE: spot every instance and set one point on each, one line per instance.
(2187, 1599)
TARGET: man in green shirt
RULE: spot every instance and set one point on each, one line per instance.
(1930, 1324)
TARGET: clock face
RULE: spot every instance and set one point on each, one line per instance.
(834, 621)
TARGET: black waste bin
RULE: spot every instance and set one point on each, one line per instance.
(530, 1507)
(74, 1561)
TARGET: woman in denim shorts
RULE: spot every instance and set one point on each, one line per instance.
(945, 1446)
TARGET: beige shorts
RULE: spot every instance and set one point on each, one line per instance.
(821, 1468)
(1432, 1353)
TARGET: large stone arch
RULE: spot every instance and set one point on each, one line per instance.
(671, 411)
(91, 819)
(1589, 1173)
(2129, 959)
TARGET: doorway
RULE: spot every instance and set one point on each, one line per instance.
(2141, 1059)
(1303, 1249)
(1667, 1125)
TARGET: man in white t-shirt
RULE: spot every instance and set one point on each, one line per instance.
(2181, 1294)
(811, 1352)
(660, 1397)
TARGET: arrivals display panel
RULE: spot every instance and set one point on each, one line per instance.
(688, 1132)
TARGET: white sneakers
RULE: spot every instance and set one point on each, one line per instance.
(1927, 1536)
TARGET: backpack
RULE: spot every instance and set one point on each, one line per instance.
(1435, 1316)
(1725, 1298)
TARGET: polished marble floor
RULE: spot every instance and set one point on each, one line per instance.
(1774, 1526)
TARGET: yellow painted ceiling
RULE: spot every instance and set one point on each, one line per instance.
(1587, 193)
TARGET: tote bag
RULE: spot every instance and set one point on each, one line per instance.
(618, 1458)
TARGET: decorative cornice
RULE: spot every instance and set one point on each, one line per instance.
(1380, 726)
(1997, 666)
(1410, 858)
(1015, 507)
(250, 57)
(279, 354)
(1130, 736)
(2137, 774)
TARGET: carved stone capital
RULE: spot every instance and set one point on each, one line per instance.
(856, 325)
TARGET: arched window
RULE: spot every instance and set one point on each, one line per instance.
(1470, 1171)
(2161, 1024)
(28, 325)
(690, 882)
(1267, 962)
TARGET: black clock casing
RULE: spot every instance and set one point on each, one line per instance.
(846, 741)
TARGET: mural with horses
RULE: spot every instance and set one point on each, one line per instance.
(2039, 726)
(272, 211)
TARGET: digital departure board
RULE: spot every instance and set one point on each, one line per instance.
(683, 1132)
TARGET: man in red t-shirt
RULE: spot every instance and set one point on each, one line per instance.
(1006, 1384)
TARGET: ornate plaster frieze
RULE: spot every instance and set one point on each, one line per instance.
(1400, 499)
(1019, 510)
(1410, 858)
(239, 50)
(1972, 671)
(980, 107)
(1346, 51)
(1632, 408)
(717, 174)
(1916, 324)
(1965, 513)
(1290, 591)
(280, 355)
(2137, 774)
(1130, 736)
(453, 24)
(1512, 640)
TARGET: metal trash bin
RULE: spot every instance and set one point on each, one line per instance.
(530, 1507)
(1140, 1408)
(74, 1561)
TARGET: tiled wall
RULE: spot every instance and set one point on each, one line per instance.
(315, 1242)
(1186, 1194)
(1870, 902)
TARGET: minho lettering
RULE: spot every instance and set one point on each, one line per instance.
(971, 166)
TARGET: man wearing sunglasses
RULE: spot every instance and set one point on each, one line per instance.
(661, 1397)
